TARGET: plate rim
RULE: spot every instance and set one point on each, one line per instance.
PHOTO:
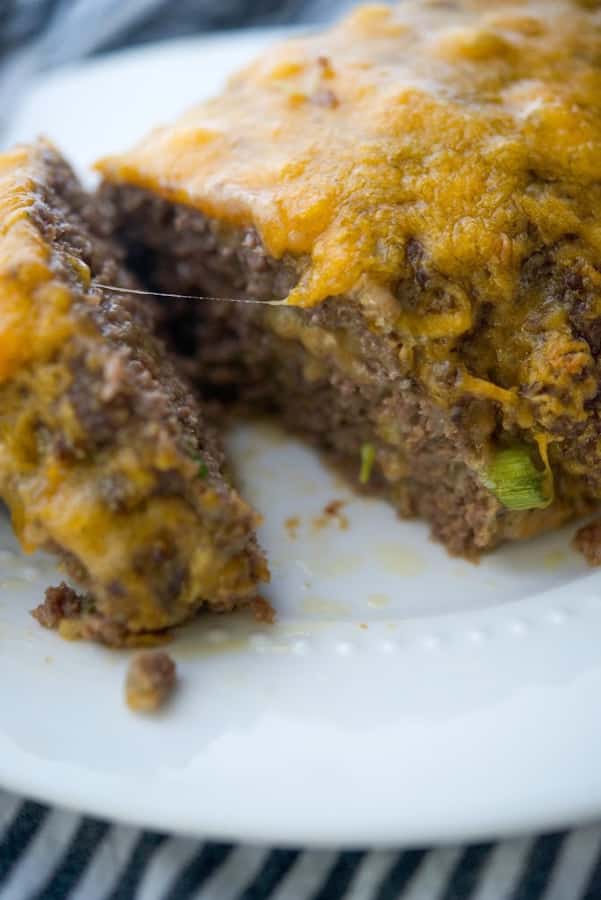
(88, 796)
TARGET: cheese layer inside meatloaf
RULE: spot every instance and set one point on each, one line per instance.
(105, 458)
(421, 186)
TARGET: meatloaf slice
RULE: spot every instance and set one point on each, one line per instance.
(105, 458)
(420, 186)
(332, 377)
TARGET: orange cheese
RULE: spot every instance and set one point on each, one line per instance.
(472, 127)
(33, 320)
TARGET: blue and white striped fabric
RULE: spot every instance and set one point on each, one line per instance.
(54, 854)
(49, 853)
(58, 31)
(37, 34)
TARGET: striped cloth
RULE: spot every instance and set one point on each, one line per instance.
(54, 854)
(37, 34)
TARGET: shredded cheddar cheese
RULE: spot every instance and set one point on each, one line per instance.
(440, 163)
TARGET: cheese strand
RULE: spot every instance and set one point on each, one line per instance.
(121, 290)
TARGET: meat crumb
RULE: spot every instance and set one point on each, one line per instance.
(587, 541)
(263, 610)
(72, 615)
(332, 513)
(150, 681)
(60, 603)
(292, 525)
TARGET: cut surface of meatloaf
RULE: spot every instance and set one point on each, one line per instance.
(420, 185)
(105, 458)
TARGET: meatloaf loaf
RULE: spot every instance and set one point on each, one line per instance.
(105, 458)
(421, 188)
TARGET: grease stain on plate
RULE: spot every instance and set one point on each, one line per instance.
(378, 601)
(398, 560)
(14, 582)
(462, 570)
(555, 559)
(193, 648)
(339, 564)
(317, 606)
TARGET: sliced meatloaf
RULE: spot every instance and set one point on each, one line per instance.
(105, 458)
(420, 187)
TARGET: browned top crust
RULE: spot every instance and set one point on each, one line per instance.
(437, 163)
(471, 127)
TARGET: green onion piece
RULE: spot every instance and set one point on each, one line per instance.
(515, 480)
(368, 457)
(203, 469)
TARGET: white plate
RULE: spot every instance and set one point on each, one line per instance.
(403, 697)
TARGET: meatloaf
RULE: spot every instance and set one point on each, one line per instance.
(105, 458)
(421, 188)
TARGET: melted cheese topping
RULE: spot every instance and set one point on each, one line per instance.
(33, 312)
(439, 162)
(56, 498)
(471, 127)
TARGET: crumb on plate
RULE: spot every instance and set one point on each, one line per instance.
(587, 541)
(332, 513)
(263, 610)
(150, 681)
